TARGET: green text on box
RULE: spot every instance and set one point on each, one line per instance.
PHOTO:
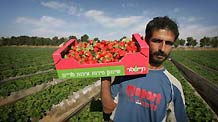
(92, 72)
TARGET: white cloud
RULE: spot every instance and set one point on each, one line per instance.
(54, 5)
(26, 20)
(139, 28)
(107, 21)
(94, 13)
(198, 31)
(69, 8)
(45, 26)
(46, 32)
(44, 21)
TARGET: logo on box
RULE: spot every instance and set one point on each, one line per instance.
(136, 69)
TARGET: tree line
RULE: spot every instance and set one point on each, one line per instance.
(55, 41)
(38, 41)
(191, 42)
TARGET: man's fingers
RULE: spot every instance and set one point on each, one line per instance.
(106, 78)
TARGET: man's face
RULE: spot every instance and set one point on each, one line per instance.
(160, 45)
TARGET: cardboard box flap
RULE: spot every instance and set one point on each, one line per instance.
(59, 54)
(142, 44)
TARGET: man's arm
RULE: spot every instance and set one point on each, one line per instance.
(106, 96)
(179, 107)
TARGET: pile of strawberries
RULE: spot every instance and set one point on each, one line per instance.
(101, 52)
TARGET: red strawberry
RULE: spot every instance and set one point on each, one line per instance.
(91, 42)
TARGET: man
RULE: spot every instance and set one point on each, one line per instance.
(154, 97)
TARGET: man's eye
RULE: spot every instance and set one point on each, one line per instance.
(169, 43)
(156, 40)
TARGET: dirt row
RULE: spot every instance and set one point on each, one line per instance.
(205, 88)
(15, 96)
(71, 106)
(23, 76)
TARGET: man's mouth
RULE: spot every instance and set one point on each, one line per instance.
(160, 56)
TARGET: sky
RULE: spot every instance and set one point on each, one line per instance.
(105, 19)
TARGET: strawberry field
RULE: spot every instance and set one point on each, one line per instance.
(205, 63)
(23, 61)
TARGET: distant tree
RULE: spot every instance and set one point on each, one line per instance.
(72, 37)
(14, 41)
(189, 39)
(55, 40)
(205, 41)
(1, 41)
(214, 42)
(84, 38)
(36, 41)
(176, 43)
(33, 40)
(182, 42)
(24, 40)
(191, 42)
(96, 39)
(61, 40)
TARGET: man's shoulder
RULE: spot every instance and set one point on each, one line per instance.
(173, 79)
(176, 83)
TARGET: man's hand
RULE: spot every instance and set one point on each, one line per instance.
(105, 79)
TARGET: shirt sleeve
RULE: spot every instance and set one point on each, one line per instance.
(179, 107)
(115, 86)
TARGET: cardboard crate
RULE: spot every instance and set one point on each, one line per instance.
(130, 64)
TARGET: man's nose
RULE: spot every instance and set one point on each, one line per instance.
(162, 46)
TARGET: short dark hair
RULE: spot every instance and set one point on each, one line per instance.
(161, 23)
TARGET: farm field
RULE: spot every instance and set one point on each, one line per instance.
(27, 61)
(19, 61)
(205, 63)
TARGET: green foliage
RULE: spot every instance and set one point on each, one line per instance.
(182, 42)
(176, 43)
(23, 83)
(179, 42)
(96, 39)
(204, 42)
(84, 38)
(72, 37)
(191, 42)
(88, 116)
(35, 106)
(16, 61)
(214, 42)
(26, 40)
(205, 63)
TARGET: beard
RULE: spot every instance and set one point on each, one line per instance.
(157, 58)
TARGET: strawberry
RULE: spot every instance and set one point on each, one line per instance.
(88, 54)
(101, 52)
(91, 42)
